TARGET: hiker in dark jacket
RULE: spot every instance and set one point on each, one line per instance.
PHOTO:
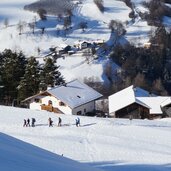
(33, 120)
(59, 121)
(50, 122)
(28, 122)
(77, 121)
(25, 123)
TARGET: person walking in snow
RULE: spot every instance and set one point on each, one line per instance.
(28, 122)
(33, 120)
(77, 121)
(59, 121)
(50, 122)
(130, 118)
(25, 123)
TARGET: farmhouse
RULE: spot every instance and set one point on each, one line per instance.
(82, 44)
(137, 103)
(72, 98)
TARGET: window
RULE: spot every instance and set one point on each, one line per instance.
(84, 110)
(79, 113)
(61, 104)
(37, 100)
(49, 102)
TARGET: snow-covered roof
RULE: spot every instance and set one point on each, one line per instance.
(154, 103)
(166, 102)
(79, 42)
(132, 95)
(63, 45)
(74, 93)
(126, 97)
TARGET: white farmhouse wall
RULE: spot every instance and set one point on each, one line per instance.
(35, 105)
(88, 107)
(45, 100)
(55, 103)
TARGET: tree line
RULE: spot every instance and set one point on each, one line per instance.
(149, 68)
(21, 77)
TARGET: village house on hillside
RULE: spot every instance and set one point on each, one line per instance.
(137, 103)
(72, 98)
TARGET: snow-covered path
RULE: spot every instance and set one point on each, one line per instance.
(101, 142)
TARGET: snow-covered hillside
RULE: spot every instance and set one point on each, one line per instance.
(12, 13)
(108, 144)
(87, 11)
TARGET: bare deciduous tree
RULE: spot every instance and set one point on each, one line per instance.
(100, 5)
(117, 28)
(42, 13)
(20, 26)
(67, 22)
(159, 88)
(6, 22)
(87, 54)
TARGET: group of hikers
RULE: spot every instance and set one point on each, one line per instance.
(27, 122)
(50, 122)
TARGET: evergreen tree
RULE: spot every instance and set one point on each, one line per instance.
(12, 69)
(29, 84)
(140, 81)
(50, 75)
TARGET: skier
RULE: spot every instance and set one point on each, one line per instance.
(59, 121)
(50, 122)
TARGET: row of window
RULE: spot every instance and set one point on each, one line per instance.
(80, 112)
(49, 102)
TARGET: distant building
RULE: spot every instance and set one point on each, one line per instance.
(99, 42)
(147, 45)
(72, 98)
(138, 103)
(82, 44)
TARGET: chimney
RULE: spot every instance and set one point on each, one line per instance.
(49, 87)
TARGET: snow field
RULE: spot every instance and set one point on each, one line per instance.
(99, 141)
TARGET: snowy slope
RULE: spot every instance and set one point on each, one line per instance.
(109, 144)
(18, 155)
